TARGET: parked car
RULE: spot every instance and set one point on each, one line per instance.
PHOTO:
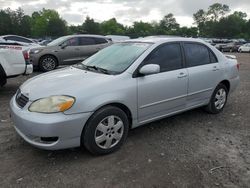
(67, 50)
(126, 85)
(14, 61)
(21, 40)
(231, 47)
(245, 48)
(219, 46)
(118, 38)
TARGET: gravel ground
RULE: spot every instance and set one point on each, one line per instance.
(193, 149)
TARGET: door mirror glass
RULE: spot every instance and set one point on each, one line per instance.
(64, 45)
(150, 69)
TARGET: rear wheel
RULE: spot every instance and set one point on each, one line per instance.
(47, 63)
(218, 100)
(105, 131)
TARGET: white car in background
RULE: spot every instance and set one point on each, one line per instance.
(14, 61)
(118, 38)
(20, 40)
(245, 48)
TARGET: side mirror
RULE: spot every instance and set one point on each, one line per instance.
(63, 45)
(150, 69)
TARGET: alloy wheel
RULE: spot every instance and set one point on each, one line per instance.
(109, 132)
(220, 99)
(48, 64)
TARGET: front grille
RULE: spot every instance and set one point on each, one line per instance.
(21, 99)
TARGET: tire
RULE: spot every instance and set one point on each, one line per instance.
(110, 126)
(218, 100)
(47, 63)
(3, 79)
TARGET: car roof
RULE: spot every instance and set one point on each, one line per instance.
(87, 35)
(164, 39)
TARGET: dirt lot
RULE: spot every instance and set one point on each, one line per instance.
(193, 149)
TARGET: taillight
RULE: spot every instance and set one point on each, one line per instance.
(26, 55)
(238, 66)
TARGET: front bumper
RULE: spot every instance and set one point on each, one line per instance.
(34, 126)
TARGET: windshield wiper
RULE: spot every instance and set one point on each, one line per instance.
(95, 68)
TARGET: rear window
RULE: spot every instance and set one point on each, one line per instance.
(198, 54)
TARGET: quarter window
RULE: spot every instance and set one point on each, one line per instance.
(197, 54)
(168, 56)
(100, 41)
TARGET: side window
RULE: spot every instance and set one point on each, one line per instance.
(20, 39)
(72, 42)
(168, 56)
(196, 54)
(84, 41)
(213, 58)
(100, 41)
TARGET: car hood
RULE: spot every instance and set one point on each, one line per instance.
(67, 81)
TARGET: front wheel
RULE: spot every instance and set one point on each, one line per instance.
(218, 100)
(47, 63)
(105, 131)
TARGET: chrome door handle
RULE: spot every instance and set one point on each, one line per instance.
(182, 75)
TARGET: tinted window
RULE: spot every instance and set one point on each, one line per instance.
(72, 42)
(100, 40)
(87, 41)
(19, 39)
(196, 54)
(213, 58)
(167, 56)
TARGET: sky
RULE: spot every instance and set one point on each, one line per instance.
(125, 11)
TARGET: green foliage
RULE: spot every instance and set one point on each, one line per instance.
(90, 26)
(215, 23)
(112, 27)
(48, 23)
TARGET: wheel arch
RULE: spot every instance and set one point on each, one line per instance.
(119, 105)
(226, 83)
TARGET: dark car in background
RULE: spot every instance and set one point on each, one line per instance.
(67, 50)
(231, 47)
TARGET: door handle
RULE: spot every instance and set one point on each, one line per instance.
(215, 68)
(182, 75)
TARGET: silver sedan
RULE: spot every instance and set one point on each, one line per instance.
(96, 102)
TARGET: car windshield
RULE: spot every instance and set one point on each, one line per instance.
(116, 58)
(57, 41)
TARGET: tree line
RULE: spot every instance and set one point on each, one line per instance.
(217, 21)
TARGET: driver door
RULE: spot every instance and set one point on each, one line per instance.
(165, 92)
(68, 52)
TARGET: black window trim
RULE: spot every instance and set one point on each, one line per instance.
(199, 43)
(136, 72)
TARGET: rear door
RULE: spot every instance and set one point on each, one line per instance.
(204, 73)
(165, 92)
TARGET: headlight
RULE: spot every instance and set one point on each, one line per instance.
(36, 51)
(52, 104)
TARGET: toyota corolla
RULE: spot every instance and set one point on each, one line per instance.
(95, 103)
